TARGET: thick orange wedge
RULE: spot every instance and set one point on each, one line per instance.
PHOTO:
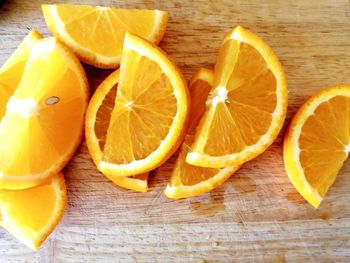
(317, 142)
(96, 33)
(247, 104)
(32, 214)
(43, 123)
(189, 180)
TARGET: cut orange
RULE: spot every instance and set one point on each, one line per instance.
(44, 118)
(317, 142)
(246, 107)
(32, 214)
(189, 180)
(98, 117)
(149, 118)
(138, 183)
(11, 72)
(96, 33)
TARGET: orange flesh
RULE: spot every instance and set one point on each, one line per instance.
(136, 124)
(323, 140)
(32, 214)
(101, 24)
(44, 198)
(187, 174)
(103, 115)
(11, 72)
(246, 114)
(102, 123)
(8, 81)
(22, 152)
(5, 93)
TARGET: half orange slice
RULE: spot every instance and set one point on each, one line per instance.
(96, 33)
(43, 123)
(97, 122)
(32, 214)
(150, 115)
(189, 180)
(247, 104)
(317, 142)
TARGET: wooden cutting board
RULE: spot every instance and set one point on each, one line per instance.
(257, 215)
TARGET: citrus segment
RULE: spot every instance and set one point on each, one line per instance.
(32, 214)
(138, 183)
(43, 123)
(318, 142)
(189, 180)
(97, 121)
(149, 118)
(96, 33)
(246, 106)
(12, 70)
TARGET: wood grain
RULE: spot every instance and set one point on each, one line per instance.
(257, 216)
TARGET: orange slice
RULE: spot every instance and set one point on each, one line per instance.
(317, 142)
(12, 70)
(96, 33)
(138, 183)
(149, 118)
(246, 107)
(97, 121)
(189, 180)
(32, 214)
(44, 118)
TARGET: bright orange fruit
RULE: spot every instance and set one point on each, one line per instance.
(96, 33)
(32, 214)
(150, 115)
(44, 118)
(317, 142)
(11, 72)
(98, 117)
(189, 180)
(247, 104)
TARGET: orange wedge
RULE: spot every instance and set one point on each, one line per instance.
(189, 180)
(138, 183)
(98, 117)
(149, 118)
(12, 70)
(44, 118)
(32, 214)
(96, 33)
(247, 104)
(317, 142)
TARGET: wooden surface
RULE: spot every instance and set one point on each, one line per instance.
(257, 216)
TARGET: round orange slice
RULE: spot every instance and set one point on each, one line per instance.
(246, 106)
(149, 118)
(96, 33)
(98, 117)
(32, 214)
(43, 123)
(189, 180)
(317, 142)
(11, 72)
